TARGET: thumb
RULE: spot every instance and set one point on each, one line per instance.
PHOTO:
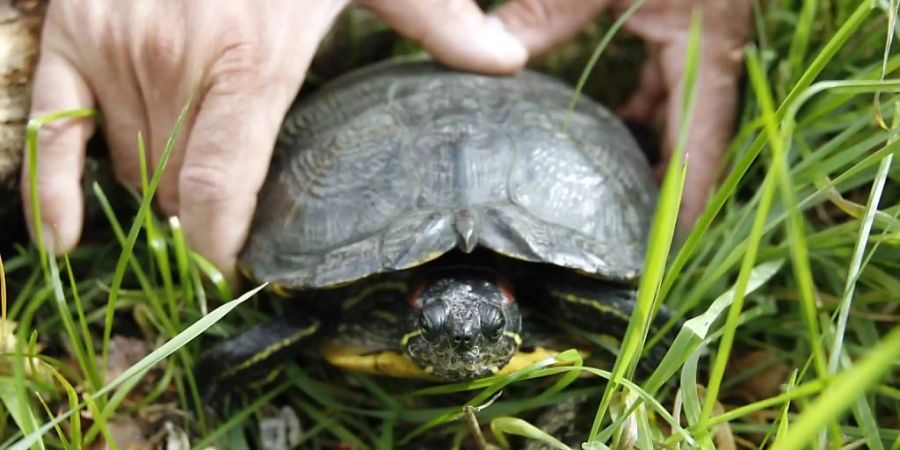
(541, 25)
(456, 33)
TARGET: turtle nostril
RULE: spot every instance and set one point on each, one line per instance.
(462, 341)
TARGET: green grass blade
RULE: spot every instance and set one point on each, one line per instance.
(495, 384)
(31, 149)
(690, 394)
(861, 409)
(885, 60)
(333, 426)
(695, 330)
(660, 239)
(784, 420)
(86, 364)
(147, 362)
(100, 422)
(237, 419)
(502, 426)
(22, 414)
(180, 340)
(94, 377)
(74, 429)
(570, 356)
(212, 274)
(856, 262)
(727, 190)
(3, 317)
(157, 244)
(136, 269)
(800, 43)
(841, 392)
(131, 239)
(805, 390)
(864, 416)
(181, 261)
(730, 327)
(598, 50)
(377, 391)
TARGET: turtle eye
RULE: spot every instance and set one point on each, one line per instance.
(497, 329)
(432, 319)
(492, 323)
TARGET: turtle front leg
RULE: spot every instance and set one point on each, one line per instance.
(597, 306)
(252, 357)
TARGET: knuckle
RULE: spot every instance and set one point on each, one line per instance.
(426, 28)
(206, 183)
(59, 137)
(530, 13)
(162, 48)
(237, 66)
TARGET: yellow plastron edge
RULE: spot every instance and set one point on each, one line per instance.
(395, 364)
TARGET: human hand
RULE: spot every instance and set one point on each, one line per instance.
(139, 60)
(664, 24)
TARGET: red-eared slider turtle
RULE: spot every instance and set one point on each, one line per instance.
(418, 214)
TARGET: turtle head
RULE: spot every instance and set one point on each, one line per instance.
(462, 325)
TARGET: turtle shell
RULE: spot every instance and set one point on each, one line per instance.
(394, 165)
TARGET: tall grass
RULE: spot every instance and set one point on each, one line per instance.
(795, 258)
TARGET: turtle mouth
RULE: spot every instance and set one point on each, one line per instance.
(444, 360)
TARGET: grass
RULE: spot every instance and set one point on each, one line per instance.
(794, 262)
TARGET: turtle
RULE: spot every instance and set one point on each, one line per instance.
(441, 224)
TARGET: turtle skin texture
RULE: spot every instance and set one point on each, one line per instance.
(394, 165)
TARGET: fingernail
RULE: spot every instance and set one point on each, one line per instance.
(501, 42)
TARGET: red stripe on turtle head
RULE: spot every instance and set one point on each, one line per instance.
(414, 298)
(506, 290)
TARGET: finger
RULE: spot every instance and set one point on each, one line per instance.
(58, 86)
(541, 25)
(225, 164)
(651, 92)
(164, 45)
(455, 32)
(726, 27)
(710, 130)
(161, 128)
(123, 114)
